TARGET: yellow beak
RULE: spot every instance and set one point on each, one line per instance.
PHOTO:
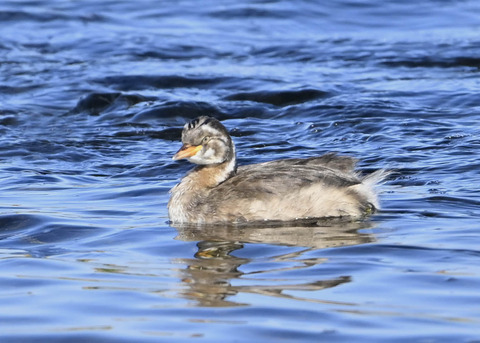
(187, 151)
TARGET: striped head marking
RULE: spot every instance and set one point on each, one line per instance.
(207, 141)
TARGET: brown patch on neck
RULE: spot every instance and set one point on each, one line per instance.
(210, 176)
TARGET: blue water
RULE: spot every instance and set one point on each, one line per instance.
(93, 95)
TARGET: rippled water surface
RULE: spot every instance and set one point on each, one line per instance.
(93, 95)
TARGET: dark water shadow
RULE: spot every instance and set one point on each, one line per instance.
(209, 277)
(42, 236)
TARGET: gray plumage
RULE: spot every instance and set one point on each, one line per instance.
(216, 191)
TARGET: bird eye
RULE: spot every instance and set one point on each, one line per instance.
(205, 139)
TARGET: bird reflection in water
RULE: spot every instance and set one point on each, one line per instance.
(210, 277)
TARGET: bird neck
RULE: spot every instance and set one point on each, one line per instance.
(209, 176)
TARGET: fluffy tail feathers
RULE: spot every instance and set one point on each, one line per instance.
(368, 187)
